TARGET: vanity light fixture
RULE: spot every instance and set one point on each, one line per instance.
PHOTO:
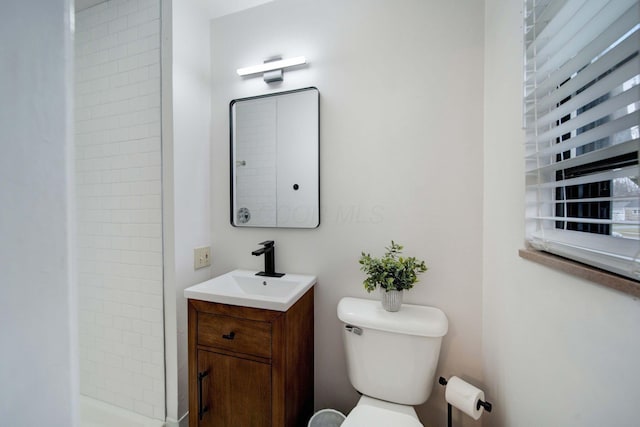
(271, 69)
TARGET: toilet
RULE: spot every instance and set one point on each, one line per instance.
(391, 360)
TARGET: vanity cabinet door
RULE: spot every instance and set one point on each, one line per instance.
(235, 391)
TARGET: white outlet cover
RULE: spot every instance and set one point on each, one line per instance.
(202, 257)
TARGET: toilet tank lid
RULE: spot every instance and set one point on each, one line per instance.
(410, 320)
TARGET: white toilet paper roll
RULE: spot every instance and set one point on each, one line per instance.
(464, 396)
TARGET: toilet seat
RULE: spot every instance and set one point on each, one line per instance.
(375, 413)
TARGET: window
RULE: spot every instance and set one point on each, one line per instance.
(582, 115)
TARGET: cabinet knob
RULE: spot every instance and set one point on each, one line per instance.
(231, 335)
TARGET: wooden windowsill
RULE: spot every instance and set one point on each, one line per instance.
(583, 271)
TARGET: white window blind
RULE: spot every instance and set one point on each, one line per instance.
(582, 115)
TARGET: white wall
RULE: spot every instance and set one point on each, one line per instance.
(401, 158)
(118, 172)
(186, 177)
(38, 360)
(558, 351)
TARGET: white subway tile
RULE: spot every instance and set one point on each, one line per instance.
(117, 52)
(128, 63)
(158, 385)
(143, 408)
(150, 115)
(159, 411)
(142, 327)
(94, 355)
(90, 177)
(140, 243)
(122, 242)
(141, 355)
(125, 120)
(90, 87)
(86, 316)
(126, 8)
(139, 74)
(118, 80)
(113, 334)
(145, 272)
(153, 397)
(111, 176)
(137, 46)
(99, 30)
(153, 12)
(93, 304)
(154, 70)
(124, 92)
(152, 201)
(85, 363)
(121, 188)
(108, 42)
(103, 319)
(152, 315)
(148, 87)
(113, 360)
(119, 348)
(104, 13)
(122, 323)
(139, 132)
(104, 394)
(118, 135)
(144, 381)
(152, 287)
(145, 4)
(118, 24)
(133, 339)
(122, 400)
(140, 17)
(101, 110)
(153, 259)
(157, 358)
(126, 36)
(118, 380)
(153, 371)
(153, 233)
(132, 365)
(149, 28)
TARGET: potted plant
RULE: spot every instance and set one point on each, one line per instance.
(393, 273)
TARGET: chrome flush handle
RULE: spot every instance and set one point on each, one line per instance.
(353, 329)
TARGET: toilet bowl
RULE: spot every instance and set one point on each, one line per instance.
(370, 412)
(391, 360)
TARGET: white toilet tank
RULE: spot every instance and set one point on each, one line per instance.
(392, 356)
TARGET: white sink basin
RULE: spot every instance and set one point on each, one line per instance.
(244, 288)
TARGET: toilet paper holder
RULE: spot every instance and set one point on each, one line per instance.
(481, 403)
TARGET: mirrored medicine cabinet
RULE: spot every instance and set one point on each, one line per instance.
(275, 176)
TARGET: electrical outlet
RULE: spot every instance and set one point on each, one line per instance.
(201, 257)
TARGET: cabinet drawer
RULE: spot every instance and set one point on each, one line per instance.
(234, 334)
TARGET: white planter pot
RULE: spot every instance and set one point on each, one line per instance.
(391, 300)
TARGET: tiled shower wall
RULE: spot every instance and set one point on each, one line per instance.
(118, 150)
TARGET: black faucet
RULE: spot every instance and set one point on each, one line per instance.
(269, 252)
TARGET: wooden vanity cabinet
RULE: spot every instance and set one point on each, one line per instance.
(250, 367)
